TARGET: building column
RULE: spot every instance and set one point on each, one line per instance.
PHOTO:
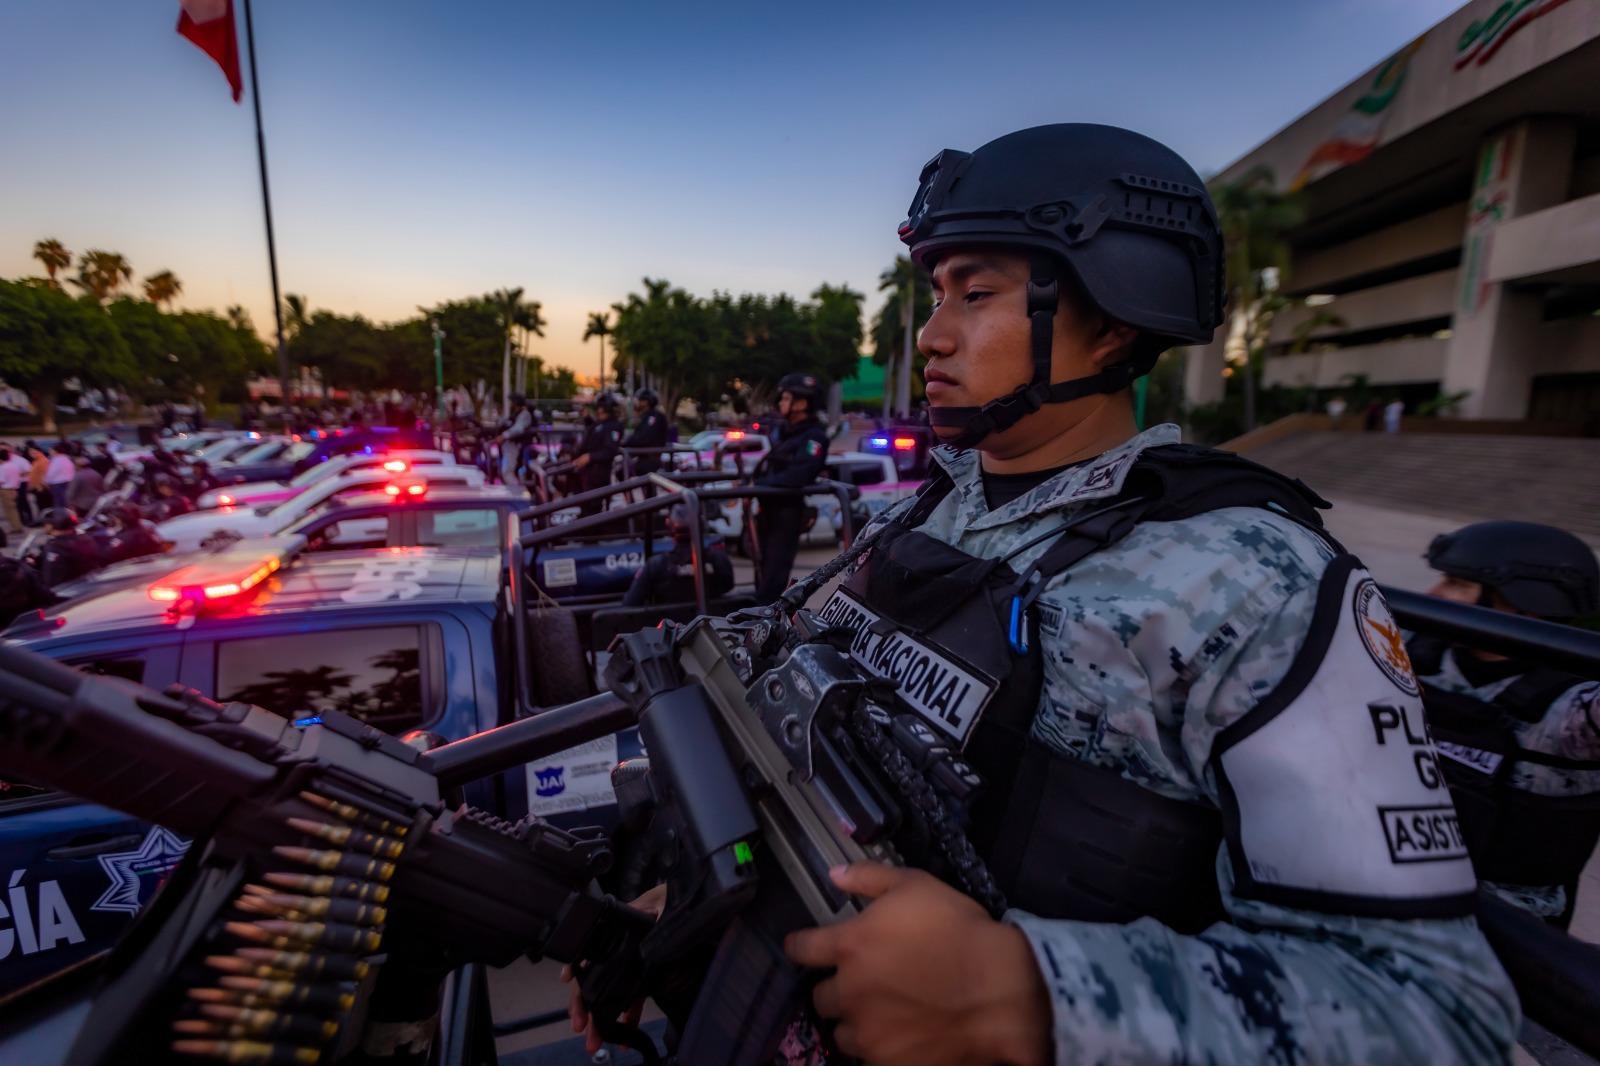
(1202, 370)
(1522, 168)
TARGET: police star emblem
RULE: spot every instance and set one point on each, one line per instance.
(157, 854)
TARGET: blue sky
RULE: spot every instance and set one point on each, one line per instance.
(425, 149)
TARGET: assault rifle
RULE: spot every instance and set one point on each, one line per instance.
(333, 883)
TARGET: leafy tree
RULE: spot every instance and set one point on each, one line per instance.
(599, 326)
(1256, 219)
(162, 288)
(55, 257)
(513, 312)
(47, 338)
(101, 274)
(889, 324)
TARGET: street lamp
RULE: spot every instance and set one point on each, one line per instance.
(438, 370)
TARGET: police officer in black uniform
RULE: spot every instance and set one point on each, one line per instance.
(68, 553)
(669, 576)
(601, 444)
(1521, 742)
(650, 432)
(799, 454)
(126, 535)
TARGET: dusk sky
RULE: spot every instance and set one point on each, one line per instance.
(427, 150)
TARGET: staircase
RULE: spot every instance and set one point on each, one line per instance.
(1555, 480)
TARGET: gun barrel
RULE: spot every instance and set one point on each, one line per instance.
(106, 740)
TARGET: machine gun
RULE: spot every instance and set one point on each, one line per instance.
(333, 884)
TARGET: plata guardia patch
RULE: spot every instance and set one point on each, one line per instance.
(1330, 786)
(1382, 637)
(947, 693)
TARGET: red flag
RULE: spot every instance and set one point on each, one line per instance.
(209, 24)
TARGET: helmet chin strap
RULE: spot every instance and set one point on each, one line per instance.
(976, 423)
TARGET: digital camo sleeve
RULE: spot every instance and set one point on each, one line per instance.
(1343, 876)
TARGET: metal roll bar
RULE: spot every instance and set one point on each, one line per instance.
(1497, 631)
(507, 746)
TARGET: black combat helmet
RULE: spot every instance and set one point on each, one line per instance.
(60, 520)
(646, 396)
(677, 522)
(1539, 570)
(801, 387)
(1120, 215)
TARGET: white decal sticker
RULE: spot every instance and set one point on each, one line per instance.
(559, 573)
(55, 921)
(946, 693)
(573, 780)
(158, 853)
(1486, 761)
(395, 577)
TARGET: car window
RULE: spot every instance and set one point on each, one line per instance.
(478, 527)
(316, 473)
(297, 451)
(371, 674)
(348, 533)
(130, 668)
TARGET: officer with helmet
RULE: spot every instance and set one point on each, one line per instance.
(1521, 742)
(650, 432)
(799, 454)
(668, 577)
(1200, 751)
(69, 553)
(601, 444)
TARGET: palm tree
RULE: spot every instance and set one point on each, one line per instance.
(514, 312)
(162, 288)
(893, 333)
(1256, 219)
(55, 257)
(102, 273)
(599, 326)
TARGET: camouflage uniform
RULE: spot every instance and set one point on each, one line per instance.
(1152, 646)
(1569, 729)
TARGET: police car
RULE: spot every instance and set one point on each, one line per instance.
(405, 638)
(879, 482)
(254, 494)
(188, 532)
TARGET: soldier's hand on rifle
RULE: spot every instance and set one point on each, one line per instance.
(652, 902)
(924, 977)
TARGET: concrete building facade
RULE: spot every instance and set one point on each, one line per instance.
(1452, 234)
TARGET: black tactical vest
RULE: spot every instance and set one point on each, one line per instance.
(960, 637)
(1514, 837)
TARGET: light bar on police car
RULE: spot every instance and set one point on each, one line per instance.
(733, 434)
(403, 490)
(230, 572)
(395, 466)
(903, 444)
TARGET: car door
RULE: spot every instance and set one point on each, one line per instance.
(75, 874)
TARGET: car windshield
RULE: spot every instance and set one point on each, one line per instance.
(264, 450)
(297, 451)
(316, 473)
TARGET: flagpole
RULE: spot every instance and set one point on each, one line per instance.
(266, 207)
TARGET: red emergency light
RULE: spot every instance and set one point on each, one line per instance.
(396, 466)
(224, 500)
(406, 490)
(904, 444)
(734, 434)
(220, 580)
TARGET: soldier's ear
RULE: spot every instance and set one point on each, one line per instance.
(1111, 342)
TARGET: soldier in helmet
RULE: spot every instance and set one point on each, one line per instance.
(601, 444)
(513, 438)
(650, 432)
(1521, 743)
(1206, 819)
(668, 577)
(799, 454)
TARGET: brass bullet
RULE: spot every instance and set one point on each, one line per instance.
(336, 935)
(361, 866)
(299, 908)
(247, 1051)
(258, 992)
(236, 965)
(323, 885)
(354, 814)
(346, 837)
(307, 964)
